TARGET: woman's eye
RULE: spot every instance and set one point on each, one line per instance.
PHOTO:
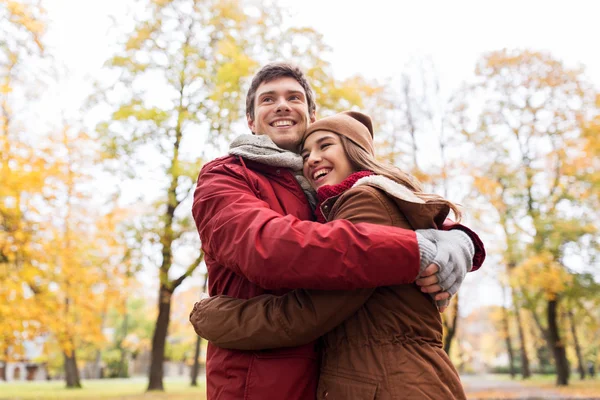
(325, 145)
(304, 157)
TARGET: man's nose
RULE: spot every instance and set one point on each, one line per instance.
(282, 105)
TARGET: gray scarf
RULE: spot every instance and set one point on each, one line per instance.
(260, 148)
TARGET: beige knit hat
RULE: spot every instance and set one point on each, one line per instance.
(355, 125)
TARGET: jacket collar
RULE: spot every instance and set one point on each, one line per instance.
(420, 214)
(326, 193)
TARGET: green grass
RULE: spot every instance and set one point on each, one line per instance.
(589, 388)
(535, 379)
(122, 389)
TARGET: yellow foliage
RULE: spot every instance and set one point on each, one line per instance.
(26, 17)
(541, 272)
(162, 3)
(229, 10)
(142, 34)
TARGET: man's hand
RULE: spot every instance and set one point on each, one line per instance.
(429, 284)
(429, 279)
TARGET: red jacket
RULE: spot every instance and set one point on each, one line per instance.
(257, 233)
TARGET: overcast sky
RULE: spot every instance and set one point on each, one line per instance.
(377, 37)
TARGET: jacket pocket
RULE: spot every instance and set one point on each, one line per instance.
(284, 374)
(333, 387)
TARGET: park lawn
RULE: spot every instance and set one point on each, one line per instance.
(576, 386)
(589, 388)
(102, 389)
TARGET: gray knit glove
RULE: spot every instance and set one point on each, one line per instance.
(452, 251)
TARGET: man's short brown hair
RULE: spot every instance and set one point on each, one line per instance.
(274, 71)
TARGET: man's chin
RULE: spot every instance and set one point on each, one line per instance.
(288, 141)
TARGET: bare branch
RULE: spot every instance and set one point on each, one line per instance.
(190, 270)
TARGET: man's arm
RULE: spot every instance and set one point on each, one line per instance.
(242, 233)
(268, 321)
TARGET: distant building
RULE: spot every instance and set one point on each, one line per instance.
(23, 371)
(25, 368)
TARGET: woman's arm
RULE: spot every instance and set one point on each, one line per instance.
(269, 321)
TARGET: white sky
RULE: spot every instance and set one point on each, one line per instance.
(376, 41)
(374, 38)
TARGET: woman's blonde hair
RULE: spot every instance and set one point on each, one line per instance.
(362, 160)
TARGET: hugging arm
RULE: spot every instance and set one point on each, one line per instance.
(268, 321)
(242, 233)
(293, 319)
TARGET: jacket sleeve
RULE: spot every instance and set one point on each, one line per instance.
(479, 256)
(241, 232)
(298, 317)
(268, 321)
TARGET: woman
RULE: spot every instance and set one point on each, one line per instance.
(384, 343)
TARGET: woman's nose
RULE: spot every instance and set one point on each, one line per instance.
(314, 159)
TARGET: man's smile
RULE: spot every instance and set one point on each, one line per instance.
(282, 123)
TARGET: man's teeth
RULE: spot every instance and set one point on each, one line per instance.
(320, 173)
(283, 123)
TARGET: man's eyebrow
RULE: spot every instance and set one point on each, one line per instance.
(273, 92)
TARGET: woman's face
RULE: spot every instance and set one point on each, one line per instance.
(325, 161)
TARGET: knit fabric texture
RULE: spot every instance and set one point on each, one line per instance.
(262, 149)
(354, 125)
(328, 191)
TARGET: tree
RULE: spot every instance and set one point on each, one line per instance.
(507, 335)
(494, 185)
(530, 109)
(196, 365)
(85, 260)
(23, 171)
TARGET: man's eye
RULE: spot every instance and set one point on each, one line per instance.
(295, 97)
(267, 99)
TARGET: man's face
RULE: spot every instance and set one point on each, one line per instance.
(281, 112)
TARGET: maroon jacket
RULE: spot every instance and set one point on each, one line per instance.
(258, 237)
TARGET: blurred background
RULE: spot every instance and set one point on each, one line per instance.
(109, 109)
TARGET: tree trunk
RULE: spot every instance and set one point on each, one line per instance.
(71, 371)
(123, 372)
(506, 328)
(509, 348)
(525, 370)
(196, 367)
(159, 339)
(97, 369)
(557, 346)
(451, 328)
(4, 364)
(580, 366)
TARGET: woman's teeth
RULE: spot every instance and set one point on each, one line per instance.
(320, 173)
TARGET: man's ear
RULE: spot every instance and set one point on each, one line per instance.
(250, 122)
(313, 116)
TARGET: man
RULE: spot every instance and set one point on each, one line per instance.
(255, 223)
